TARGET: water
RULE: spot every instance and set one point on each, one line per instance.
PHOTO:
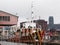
(11, 43)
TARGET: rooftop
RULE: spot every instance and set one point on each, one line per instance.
(8, 13)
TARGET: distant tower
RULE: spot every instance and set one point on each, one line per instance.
(51, 22)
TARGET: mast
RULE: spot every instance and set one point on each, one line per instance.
(32, 12)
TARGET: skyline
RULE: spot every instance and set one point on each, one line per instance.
(42, 8)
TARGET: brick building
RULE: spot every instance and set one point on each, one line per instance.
(41, 23)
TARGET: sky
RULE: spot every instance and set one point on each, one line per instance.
(41, 8)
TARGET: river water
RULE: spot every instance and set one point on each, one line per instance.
(11, 43)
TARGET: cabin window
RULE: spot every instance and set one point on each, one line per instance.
(1, 18)
(4, 18)
(7, 28)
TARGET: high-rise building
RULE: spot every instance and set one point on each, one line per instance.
(51, 22)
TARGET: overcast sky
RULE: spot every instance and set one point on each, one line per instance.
(42, 8)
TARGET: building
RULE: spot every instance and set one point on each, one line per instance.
(41, 23)
(51, 24)
(57, 26)
(8, 22)
(51, 20)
